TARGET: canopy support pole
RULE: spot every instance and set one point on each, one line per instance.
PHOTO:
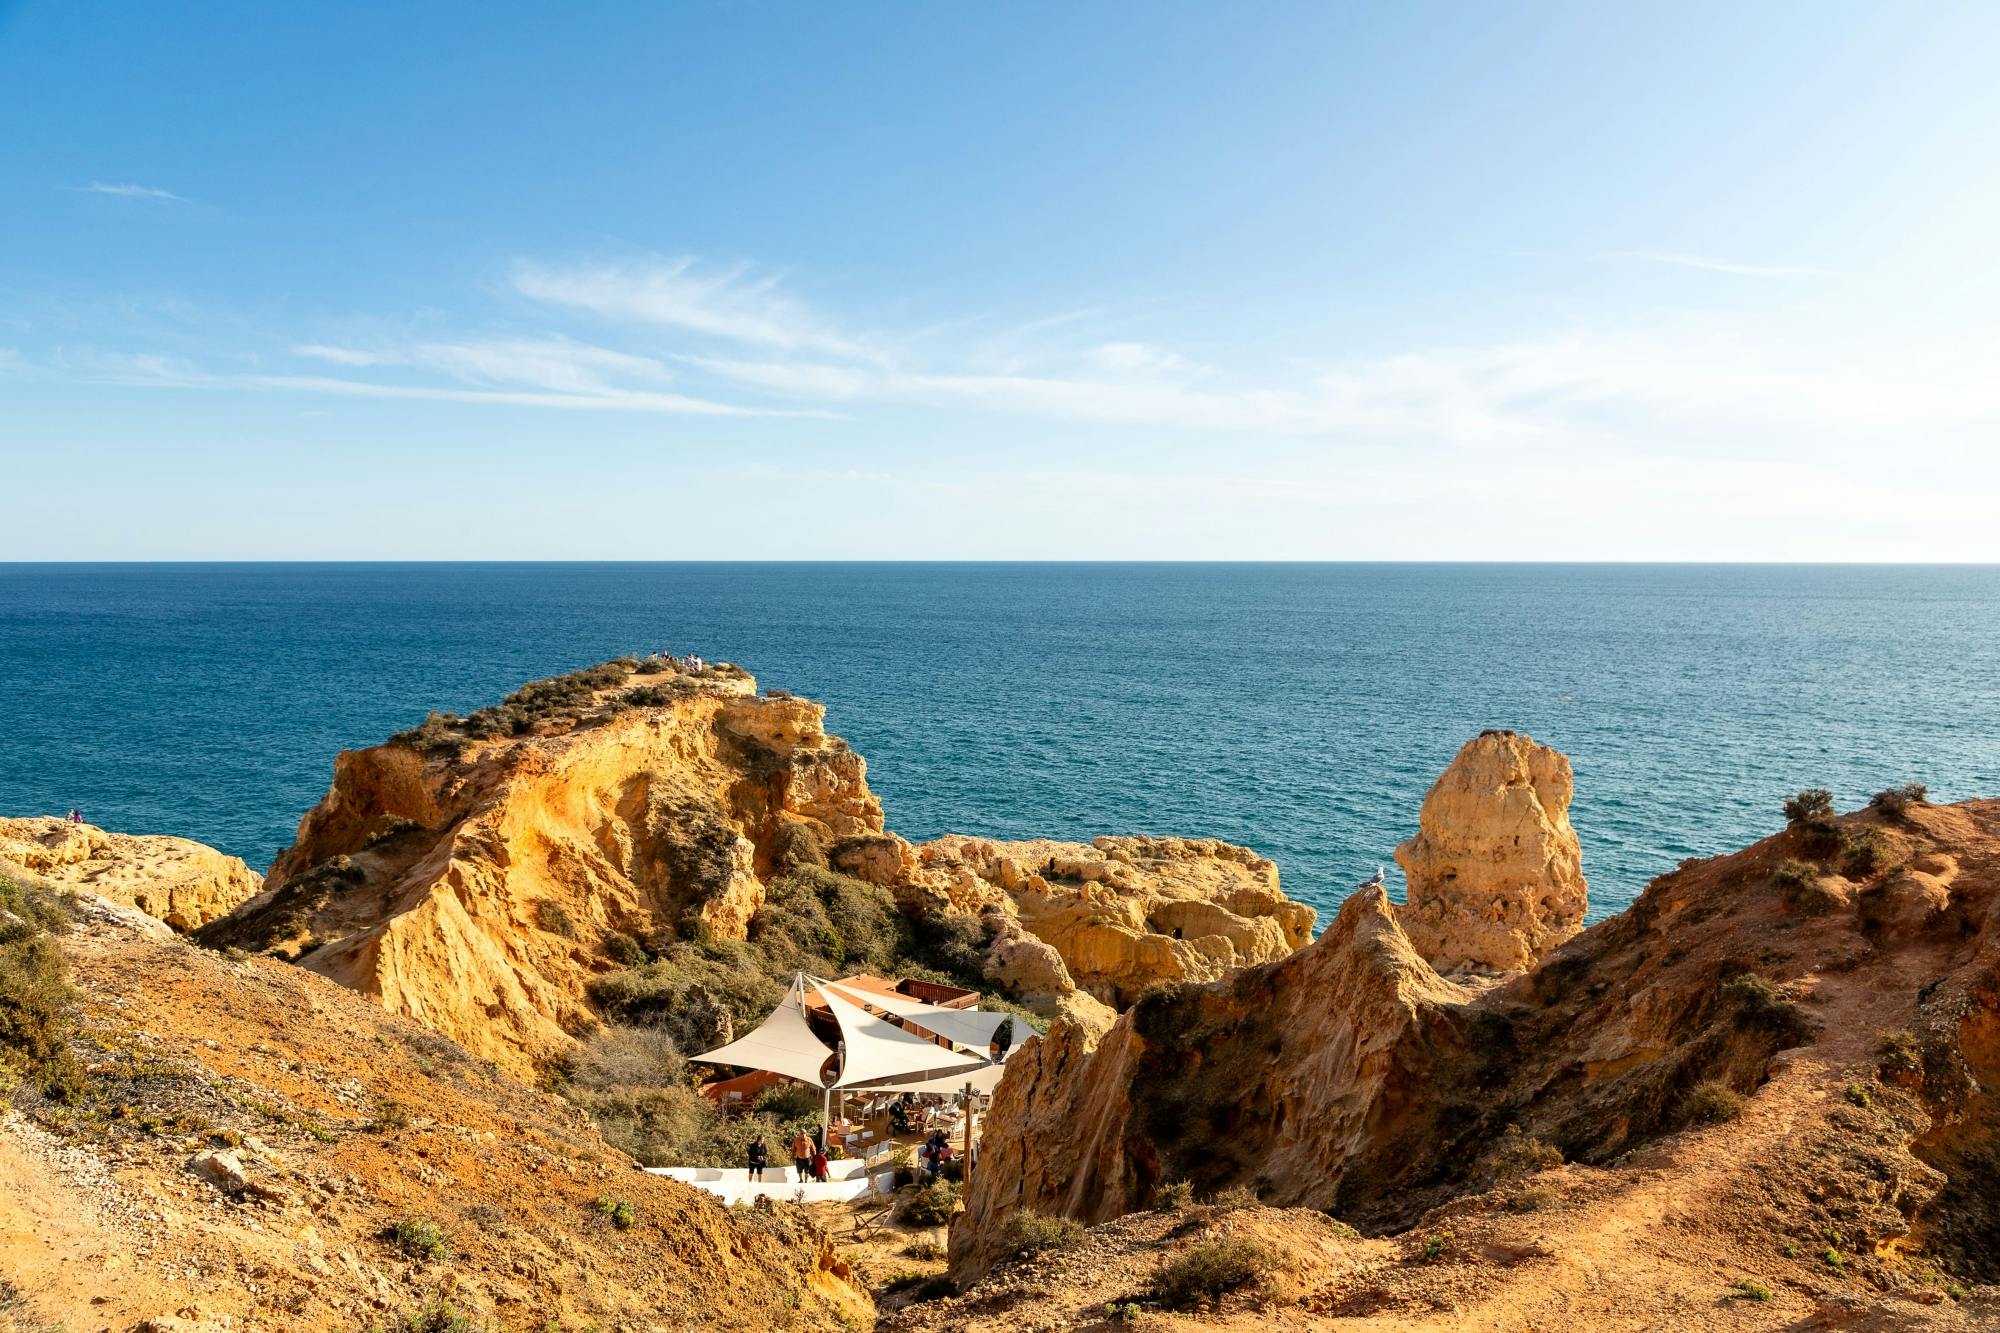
(965, 1168)
(825, 1110)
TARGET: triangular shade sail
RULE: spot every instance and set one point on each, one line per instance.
(783, 1044)
(880, 1054)
(972, 1028)
(982, 1080)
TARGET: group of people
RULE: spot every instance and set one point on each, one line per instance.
(809, 1160)
(935, 1152)
(73, 817)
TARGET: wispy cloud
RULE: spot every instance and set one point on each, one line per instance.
(731, 303)
(1709, 265)
(128, 191)
(536, 384)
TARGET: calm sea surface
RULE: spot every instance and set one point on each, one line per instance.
(1300, 709)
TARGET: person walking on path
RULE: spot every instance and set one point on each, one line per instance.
(758, 1155)
(819, 1166)
(802, 1155)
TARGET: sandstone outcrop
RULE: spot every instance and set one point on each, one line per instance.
(477, 883)
(1495, 871)
(1344, 1031)
(1120, 913)
(476, 874)
(1853, 1033)
(183, 883)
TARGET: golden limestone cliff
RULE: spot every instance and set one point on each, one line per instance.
(1777, 1067)
(477, 874)
(183, 883)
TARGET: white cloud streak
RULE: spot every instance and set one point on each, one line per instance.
(128, 191)
(730, 303)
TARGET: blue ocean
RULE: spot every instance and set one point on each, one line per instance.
(1300, 709)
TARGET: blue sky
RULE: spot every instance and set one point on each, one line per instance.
(1294, 281)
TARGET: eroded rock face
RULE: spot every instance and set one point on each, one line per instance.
(183, 883)
(1281, 1077)
(1858, 1030)
(474, 886)
(1120, 914)
(476, 879)
(1495, 871)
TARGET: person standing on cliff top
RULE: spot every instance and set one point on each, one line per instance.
(802, 1155)
(758, 1155)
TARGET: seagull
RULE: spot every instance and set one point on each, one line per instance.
(1375, 881)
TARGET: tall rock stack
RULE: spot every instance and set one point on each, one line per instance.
(1495, 871)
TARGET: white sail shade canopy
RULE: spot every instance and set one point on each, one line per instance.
(879, 1054)
(973, 1028)
(782, 1044)
(875, 1053)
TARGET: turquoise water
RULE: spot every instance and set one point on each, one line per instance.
(1301, 709)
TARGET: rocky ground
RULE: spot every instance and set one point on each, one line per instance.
(254, 1134)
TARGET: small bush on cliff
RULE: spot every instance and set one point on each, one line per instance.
(390, 1116)
(551, 916)
(1864, 849)
(1798, 883)
(421, 1238)
(1810, 808)
(1897, 800)
(1710, 1103)
(1519, 1154)
(1028, 1232)
(1207, 1271)
(35, 995)
(618, 1212)
(1757, 1002)
(929, 1206)
(795, 846)
(1233, 1198)
(1174, 1196)
(625, 949)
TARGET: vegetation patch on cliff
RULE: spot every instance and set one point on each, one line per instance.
(35, 996)
(689, 995)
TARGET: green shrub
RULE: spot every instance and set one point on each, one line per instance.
(1899, 1049)
(1833, 1259)
(421, 1238)
(1812, 806)
(625, 949)
(35, 995)
(1896, 800)
(1208, 1270)
(795, 846)
(1521, 1154)
(929, 1206)
(789, 1101)
(1799, 884)
(390, 1115)
(1028, 1232)
(437, 1315)
(1174, 1196)
(1857, 1095)
(925, 1247)
(1710, 1103)
(1864, 849)
(1758, 1003)
(619, 1212)
(1233, 1198)
(1749, 1289)
(551, 916)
